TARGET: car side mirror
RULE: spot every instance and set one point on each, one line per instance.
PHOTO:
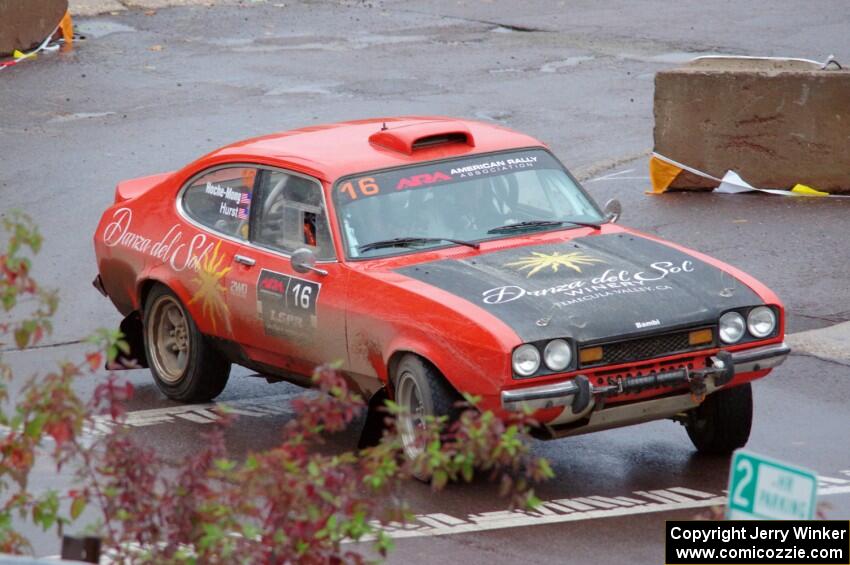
(613, 210)
(304, 261)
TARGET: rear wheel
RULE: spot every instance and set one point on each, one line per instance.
(184, 365)
(721, 424)
(421, 392)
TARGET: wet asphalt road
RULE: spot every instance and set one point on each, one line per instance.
(145, 94)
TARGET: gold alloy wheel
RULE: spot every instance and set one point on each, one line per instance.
(168, 337)
(412, 420)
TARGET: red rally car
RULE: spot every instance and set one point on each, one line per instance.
(431, 256)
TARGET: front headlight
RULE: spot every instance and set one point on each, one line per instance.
(731, 328)
(761, 321)
(557, 355)
(526, 360)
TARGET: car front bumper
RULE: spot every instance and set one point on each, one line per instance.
(580, 396)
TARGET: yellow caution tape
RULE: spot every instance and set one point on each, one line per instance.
(19, 56)
(807, 190)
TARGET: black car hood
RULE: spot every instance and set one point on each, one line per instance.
(591, 288)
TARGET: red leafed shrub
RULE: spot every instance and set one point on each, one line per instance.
(294, 503)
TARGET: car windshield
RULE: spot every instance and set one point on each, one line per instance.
(466, 200)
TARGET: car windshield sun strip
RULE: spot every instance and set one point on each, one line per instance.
(408, 241)
(541, 224)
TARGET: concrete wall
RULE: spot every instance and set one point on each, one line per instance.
(775, 124)
(25, 23)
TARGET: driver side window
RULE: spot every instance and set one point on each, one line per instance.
(290, 214)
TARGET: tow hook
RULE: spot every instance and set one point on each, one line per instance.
(582, 398)
(725, 368)
(698, 390)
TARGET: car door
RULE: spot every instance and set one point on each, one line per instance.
(294, 321)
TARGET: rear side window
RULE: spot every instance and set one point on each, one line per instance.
(221, 200)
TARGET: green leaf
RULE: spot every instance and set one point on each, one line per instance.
(22, 337)
(439, 480)
(212, 534)
(225, 464)
(384, 543)
(468, 471)
(393, 407)
(471, 399)
(77, 507)
(34, 427)
(545, 469)
(313, 469)
(250, 531)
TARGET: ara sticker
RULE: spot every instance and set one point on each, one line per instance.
(287, 304)
(433, 175)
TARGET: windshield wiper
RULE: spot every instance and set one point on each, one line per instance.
(408, 241)
(541, 224)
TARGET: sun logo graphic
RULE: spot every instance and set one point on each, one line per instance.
(211, 289)
(540, 261)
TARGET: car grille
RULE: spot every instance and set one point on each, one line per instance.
(615, 353)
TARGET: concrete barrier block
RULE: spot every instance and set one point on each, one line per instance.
(26, 23)
(777, 123)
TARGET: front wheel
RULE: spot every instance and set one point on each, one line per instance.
(721, 424)
(184, 365)
(422, 393)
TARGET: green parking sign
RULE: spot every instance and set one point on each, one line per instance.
(761, 488)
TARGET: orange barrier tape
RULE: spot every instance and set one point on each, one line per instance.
(67, 28)
(662, 174)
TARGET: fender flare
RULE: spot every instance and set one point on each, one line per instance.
(439, 356)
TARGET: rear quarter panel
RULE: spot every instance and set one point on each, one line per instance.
(142, 240)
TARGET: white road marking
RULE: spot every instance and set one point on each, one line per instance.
(663, 496)
(613, 502)
(826, 481)
(691, 492)
(196, 413)
(596, 503)
(562, 510)
(611, 175)
(619, 178)
(580, 508)
(198, 418)
(616, 176)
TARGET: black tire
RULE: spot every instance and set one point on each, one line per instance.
(437, 397)
(202, 373)
(722, 423)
